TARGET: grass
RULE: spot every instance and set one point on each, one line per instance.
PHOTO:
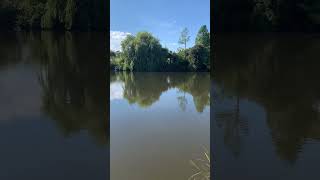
(202, 167)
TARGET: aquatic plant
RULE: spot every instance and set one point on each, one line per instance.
(202, 166)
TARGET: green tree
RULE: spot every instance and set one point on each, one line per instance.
(53, 14)
(203, 37)
(128, 52)
(267, 15)
(143, 53)
(184, 38)
(198, 58)
(149, 52)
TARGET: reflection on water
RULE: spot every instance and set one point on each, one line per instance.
(266, 114)
(53, 106)
(159, 123)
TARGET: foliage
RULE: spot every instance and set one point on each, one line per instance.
(184, 38)
(203, 37)
(144, 52)
(176, 62)
(202, 46)
(198, 58)
(55, 14)
(267, 15)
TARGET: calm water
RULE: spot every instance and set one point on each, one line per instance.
(266, 107)
(53, 106)
(159, 123)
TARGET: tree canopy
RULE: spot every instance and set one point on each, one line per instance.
(144, 52)
(184, 38)
(54, 14)
(266, 15)
(203, 37)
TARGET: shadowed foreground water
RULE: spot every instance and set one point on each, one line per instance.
(53, 106)
(160, 122)
(266, 107)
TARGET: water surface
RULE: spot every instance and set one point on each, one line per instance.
(159, 123)
(266, 107)
(53, 106)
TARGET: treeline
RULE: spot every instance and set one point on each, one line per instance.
(266, 15)
(144, 52)
(53, 14)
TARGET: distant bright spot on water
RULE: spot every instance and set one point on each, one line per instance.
(116, 90)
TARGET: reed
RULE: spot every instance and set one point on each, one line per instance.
(202, 166)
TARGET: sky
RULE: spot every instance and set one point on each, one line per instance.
(165, 19)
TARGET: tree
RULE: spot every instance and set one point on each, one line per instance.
(266, 15)
(203, 37)
(53, 14)
(198, 58)
(127, 56)
(184, 38)
(143, 53)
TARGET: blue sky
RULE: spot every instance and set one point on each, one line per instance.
(163, 18)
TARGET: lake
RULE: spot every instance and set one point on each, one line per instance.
(266, 107)
(54, 109)
(159, 125)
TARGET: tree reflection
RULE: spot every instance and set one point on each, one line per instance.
(233, 123)
(198, 85)
(145, 89)
(281, 75)
(74, 83)
(182, 100)
(72, 72)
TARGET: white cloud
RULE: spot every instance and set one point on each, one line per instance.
(115, 39)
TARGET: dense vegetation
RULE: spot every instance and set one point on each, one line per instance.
(144, 52)
(53, 14)
(266, 15)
